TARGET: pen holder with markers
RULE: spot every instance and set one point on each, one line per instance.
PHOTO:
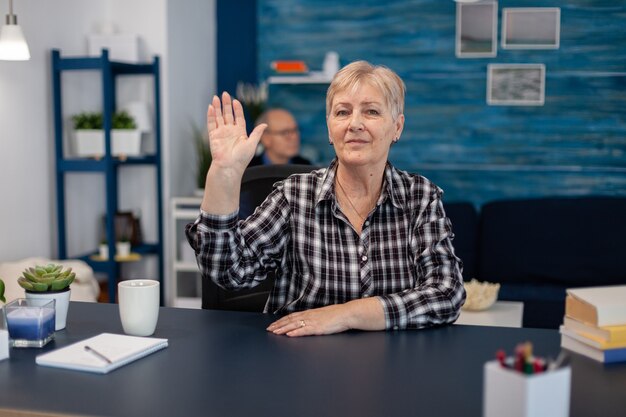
(509, 392)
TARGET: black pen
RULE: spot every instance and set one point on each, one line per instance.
(98, 354)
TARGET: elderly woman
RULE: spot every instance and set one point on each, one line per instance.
(357, 245)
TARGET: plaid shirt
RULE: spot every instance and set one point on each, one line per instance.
(404, 255)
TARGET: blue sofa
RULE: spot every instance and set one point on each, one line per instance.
(536, 248)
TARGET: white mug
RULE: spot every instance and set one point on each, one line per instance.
(139, 306)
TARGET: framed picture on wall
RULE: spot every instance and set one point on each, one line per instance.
(516, 84)
(531, 28)
(476, 29)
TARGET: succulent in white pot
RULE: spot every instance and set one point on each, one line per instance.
(49, 282)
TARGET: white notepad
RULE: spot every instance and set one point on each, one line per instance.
(103, 354)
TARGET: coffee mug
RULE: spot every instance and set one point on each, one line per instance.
(139, 306)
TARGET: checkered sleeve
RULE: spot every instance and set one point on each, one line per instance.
(237, 254)
(438, 293)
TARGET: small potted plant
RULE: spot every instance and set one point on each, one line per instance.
(125, 137)
(122, 247)
(49, 282)
(203, 159)
(4, 300)
(253, 98)
(103, 249)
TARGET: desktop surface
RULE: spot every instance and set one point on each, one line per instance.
(222, 363)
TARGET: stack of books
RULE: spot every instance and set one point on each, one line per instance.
(595, 323)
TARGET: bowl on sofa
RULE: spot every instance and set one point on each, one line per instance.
(480, 295)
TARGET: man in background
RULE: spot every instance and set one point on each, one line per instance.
(281, 139)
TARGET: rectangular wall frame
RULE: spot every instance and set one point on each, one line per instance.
(516, 84)
(531, 28)
(476, 29)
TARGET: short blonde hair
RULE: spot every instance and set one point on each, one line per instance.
(353, 75)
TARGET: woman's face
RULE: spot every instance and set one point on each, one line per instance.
(361, 127)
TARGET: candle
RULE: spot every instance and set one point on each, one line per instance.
(27, 322)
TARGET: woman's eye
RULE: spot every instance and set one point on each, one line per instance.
(341, 112)
(373, 112)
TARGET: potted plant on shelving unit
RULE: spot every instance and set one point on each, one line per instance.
(203, 158)
(122, 247)
(253, 98)
(89, 136)
(103, 249)
(49, 282)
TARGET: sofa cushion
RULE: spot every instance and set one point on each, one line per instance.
(567, 242)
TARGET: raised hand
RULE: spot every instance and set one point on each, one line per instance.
(231, 148)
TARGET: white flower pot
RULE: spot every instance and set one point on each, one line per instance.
(103, 250)
(90, 143)
(62, 304)
(122, 249)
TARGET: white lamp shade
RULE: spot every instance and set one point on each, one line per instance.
(13, 46)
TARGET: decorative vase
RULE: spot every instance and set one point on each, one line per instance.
(62, 304)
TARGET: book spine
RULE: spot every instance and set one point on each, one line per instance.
(580, 310)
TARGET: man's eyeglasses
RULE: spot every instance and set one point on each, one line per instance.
(284, 132)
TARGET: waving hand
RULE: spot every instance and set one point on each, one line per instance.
(231, 148)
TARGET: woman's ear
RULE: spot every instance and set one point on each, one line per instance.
(399, 126)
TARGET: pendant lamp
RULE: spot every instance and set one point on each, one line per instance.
(13, 46)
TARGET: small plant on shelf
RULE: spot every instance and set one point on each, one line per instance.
(95, 121)
(125, 137)
(203, 156)
(46, 278)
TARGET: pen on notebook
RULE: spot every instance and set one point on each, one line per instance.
(98, 354)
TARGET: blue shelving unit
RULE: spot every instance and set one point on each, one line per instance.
(108, 165)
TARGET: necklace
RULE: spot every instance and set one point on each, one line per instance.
(350, 201)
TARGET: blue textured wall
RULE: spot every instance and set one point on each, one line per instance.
(573, 145)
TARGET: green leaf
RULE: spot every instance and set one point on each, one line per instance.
(2, 291)
(32, 286)
(60, 284)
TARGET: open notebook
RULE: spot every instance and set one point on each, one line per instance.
(102, 353)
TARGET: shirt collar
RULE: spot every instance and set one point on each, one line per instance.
(392, 186)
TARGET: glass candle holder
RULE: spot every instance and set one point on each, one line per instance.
(30, 322)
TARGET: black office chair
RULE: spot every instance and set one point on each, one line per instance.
(464, 218)
(256, 185)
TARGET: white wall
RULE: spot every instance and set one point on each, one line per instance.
(181, 32)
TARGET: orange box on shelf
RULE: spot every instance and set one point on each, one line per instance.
(290, 66)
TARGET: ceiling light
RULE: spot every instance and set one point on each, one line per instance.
(13, 46)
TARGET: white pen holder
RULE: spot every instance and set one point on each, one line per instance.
(510, 393)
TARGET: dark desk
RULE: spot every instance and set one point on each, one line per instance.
(226, 364)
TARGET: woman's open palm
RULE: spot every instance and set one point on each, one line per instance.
(231, 148)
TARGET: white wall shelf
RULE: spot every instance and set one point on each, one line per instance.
(310, 78)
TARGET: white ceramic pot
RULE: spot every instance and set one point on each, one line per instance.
(104, 251)
(122, 249)
(62, 304)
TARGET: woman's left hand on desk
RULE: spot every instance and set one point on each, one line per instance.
(364, 314)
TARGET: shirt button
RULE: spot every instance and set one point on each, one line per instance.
(395, 327)
(364, 258)
(367, 223)
(365, 296)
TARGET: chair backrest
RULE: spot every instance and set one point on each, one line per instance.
(256, 185)
(464, 218)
